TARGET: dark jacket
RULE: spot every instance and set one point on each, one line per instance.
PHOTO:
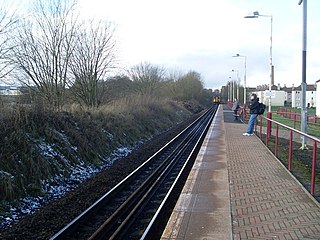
(254, 106)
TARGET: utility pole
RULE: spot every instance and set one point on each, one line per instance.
(244, 79)
(304, 112)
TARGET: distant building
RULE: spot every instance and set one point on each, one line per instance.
(277, 97)
(287, 96)
(9, 91)
(310, 96)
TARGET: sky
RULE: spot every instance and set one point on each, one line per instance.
(203, 35)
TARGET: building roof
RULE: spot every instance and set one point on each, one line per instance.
(310, 87)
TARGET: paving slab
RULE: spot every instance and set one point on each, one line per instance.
(237, 189)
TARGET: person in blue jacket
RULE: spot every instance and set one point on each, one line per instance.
(254, 108)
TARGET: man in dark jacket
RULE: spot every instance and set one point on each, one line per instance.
(254, 107)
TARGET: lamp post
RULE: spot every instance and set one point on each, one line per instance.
(237, 82)
(304, 113)
(244, 78)
(231, 89)
(256, 15)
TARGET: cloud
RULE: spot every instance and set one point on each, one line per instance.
(203, 36)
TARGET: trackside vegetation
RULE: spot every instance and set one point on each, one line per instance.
(76, 109)
(38, 145)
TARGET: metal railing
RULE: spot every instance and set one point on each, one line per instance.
(242, 111)
(284, 133)
(271, 128)
(296, 117)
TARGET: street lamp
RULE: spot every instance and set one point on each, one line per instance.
(304, 113)
(230, 89)
(256, 15)
(238, 82)
(244, 79)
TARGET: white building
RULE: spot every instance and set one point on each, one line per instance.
(278, 98)
(310, 96)
(288, 94)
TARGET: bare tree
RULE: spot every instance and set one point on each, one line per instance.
(171, 83)
(92, 59)
(190, 86)
(117, 87)
(147, 78)
(43, 48)
(7, 23)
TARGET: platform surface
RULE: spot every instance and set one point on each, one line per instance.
(237, 189)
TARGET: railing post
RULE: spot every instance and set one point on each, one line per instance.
(267, 134)
(290, 155)
(269, 115)
(290, 152)
(260, 127)
(277, 141)
(294, 120)
(314, 161)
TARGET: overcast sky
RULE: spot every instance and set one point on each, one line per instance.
(203, 35)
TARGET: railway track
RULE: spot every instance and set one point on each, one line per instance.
(137, 207)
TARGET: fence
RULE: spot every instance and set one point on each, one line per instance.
(296, 117)
(294, 137)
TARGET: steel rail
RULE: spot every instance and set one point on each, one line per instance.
(157, 178)
(114, 227)
(151, 231)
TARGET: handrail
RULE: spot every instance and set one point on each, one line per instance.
(311, 118)
(293, 129)
(313, 138)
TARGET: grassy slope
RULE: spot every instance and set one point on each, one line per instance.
(39, 145)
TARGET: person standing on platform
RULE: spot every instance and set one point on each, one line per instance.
(254, 109)
(235, 108)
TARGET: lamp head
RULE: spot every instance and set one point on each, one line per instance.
(255, 14)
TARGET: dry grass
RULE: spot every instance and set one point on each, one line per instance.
(37, 144)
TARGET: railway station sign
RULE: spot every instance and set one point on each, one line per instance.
(270, 94)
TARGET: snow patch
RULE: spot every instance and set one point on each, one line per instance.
(58, 186)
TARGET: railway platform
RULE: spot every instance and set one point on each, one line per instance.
(237, 189)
